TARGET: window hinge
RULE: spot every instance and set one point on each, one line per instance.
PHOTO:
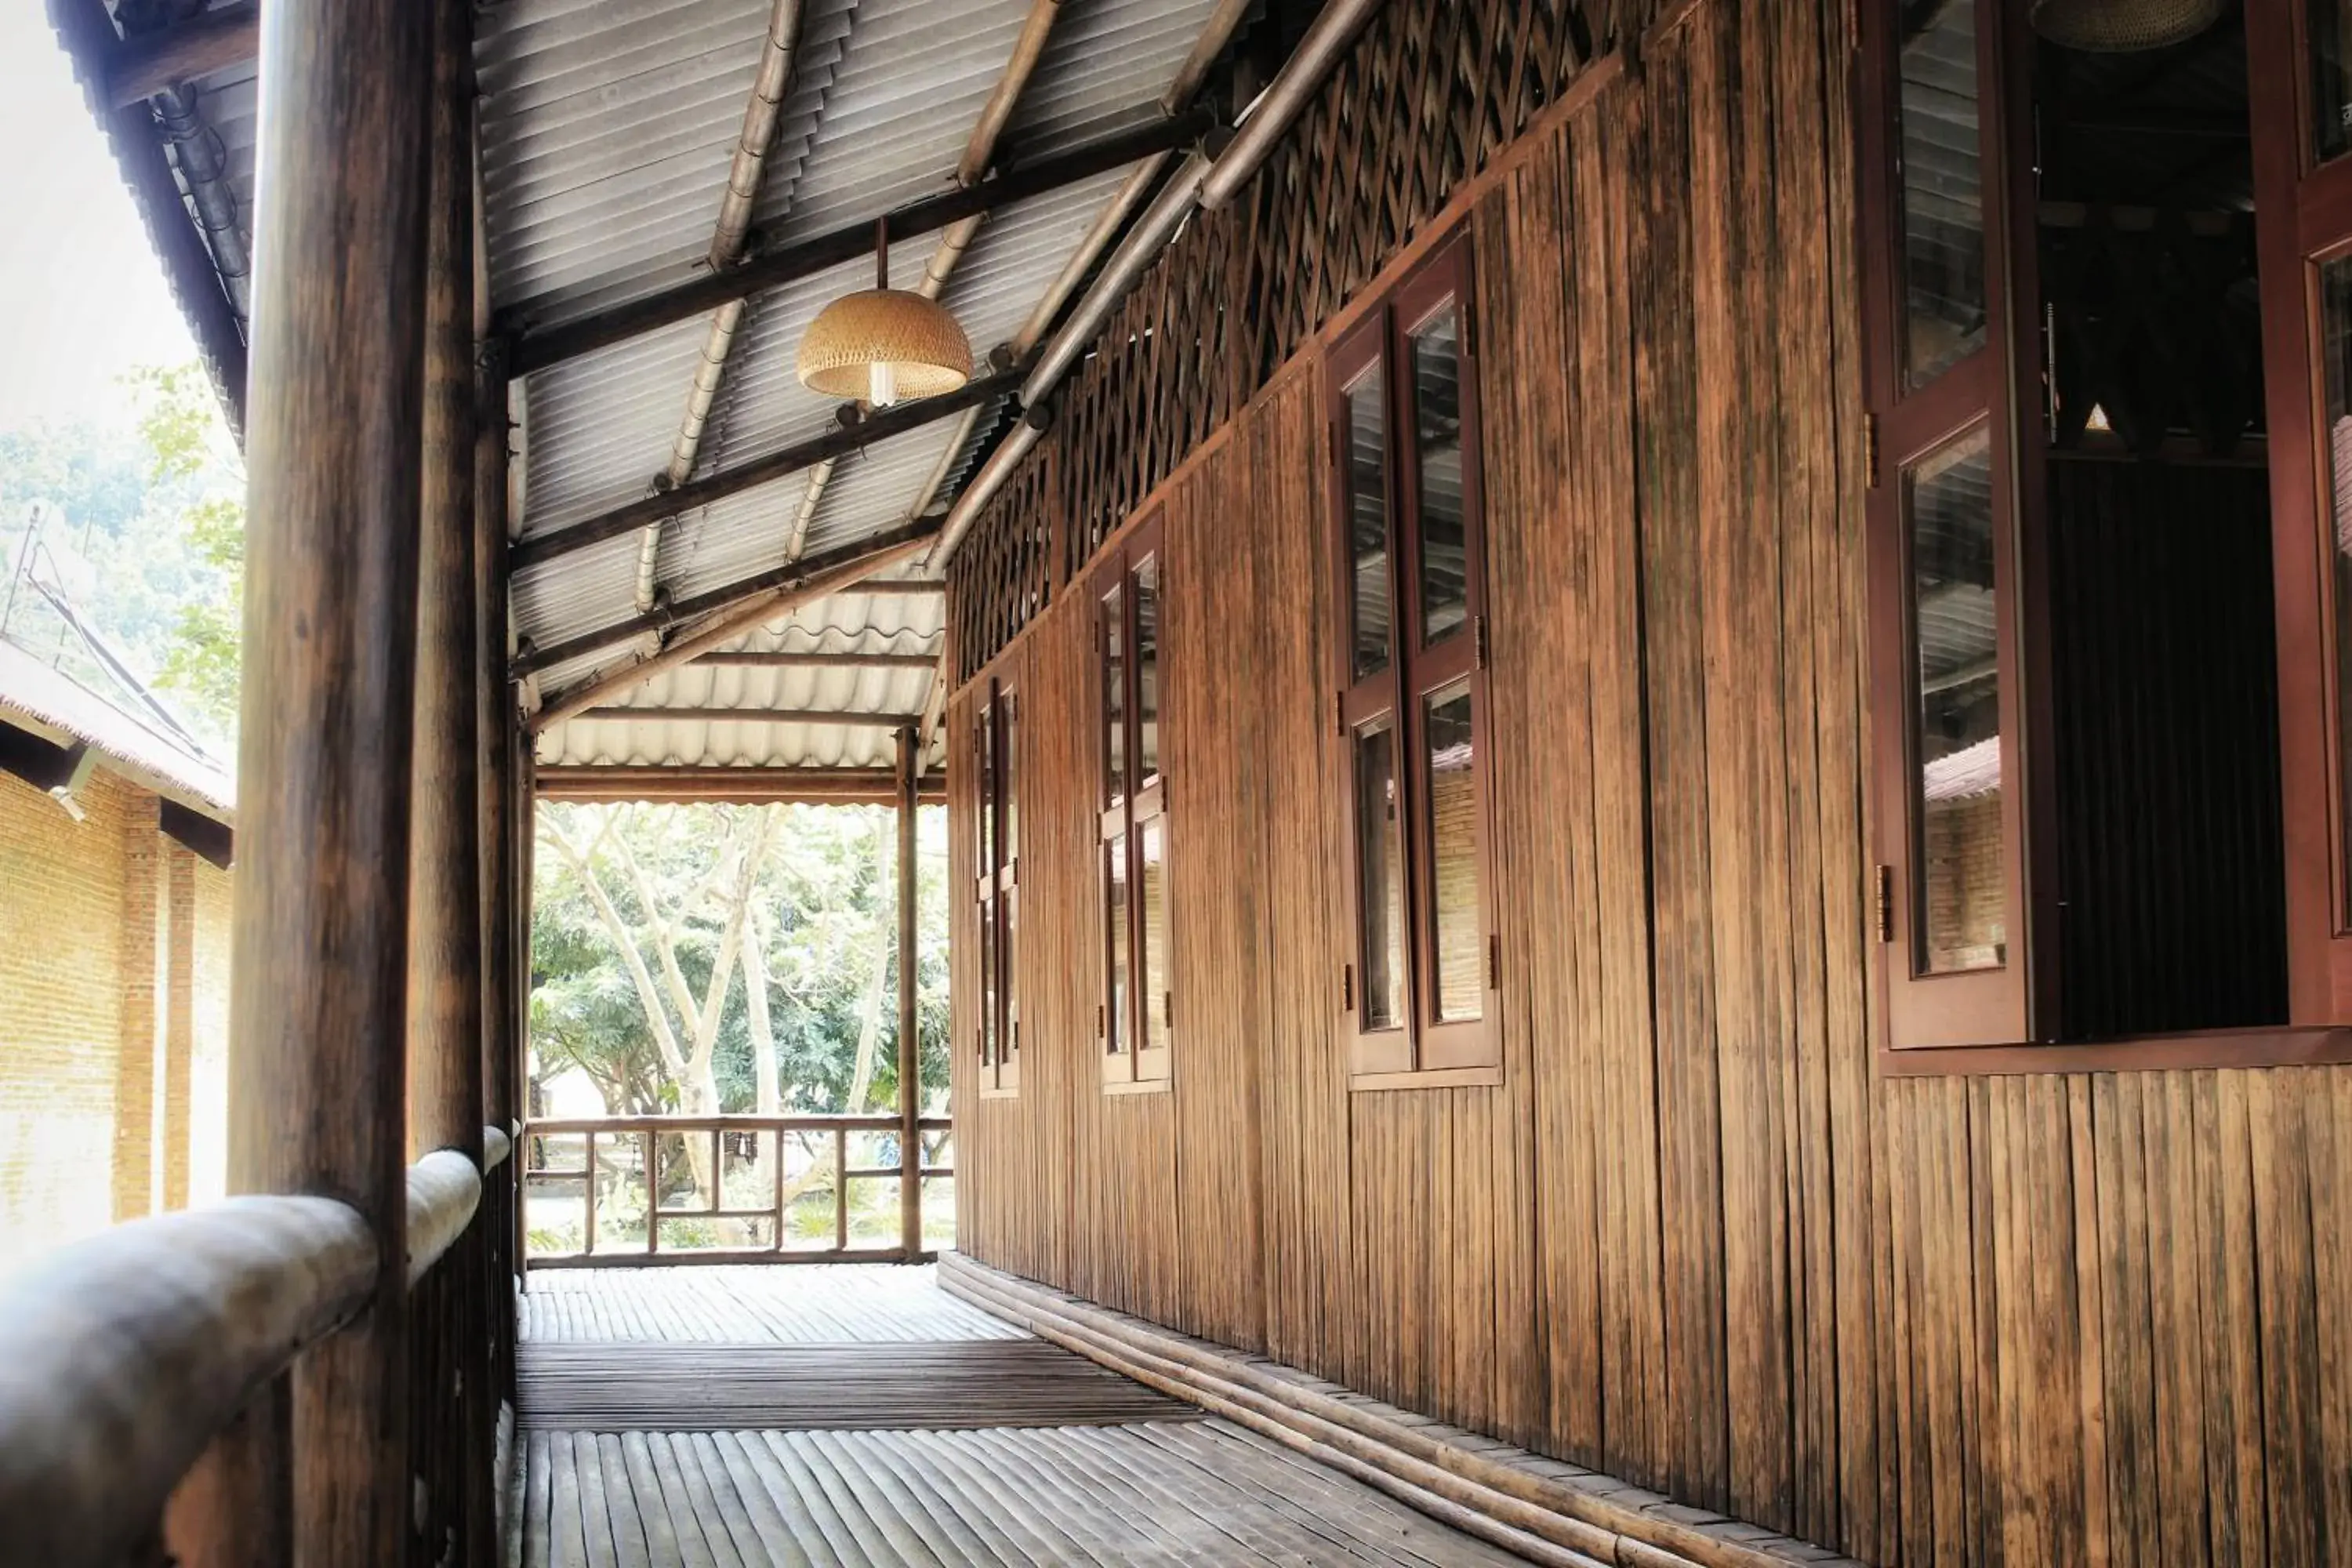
(1870, 450)
(1883, 914)
(1493, 960)
(1339, 714)
(1168, 1009)
(1102, 1023)
(1486, 652)
(1348, 987)
(1331, 442)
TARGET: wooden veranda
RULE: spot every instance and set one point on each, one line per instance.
(1646, 716)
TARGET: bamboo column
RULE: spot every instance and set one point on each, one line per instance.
(910, 1056)
(497, 732)
(446, 1088)
(318, 986)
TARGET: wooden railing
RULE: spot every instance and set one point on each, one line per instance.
(123, 1356)
(648, 1139)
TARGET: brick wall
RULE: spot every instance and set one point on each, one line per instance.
(113, 1002)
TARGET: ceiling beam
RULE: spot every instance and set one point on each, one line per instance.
(536, 349)
(841, 564)
(824, 716)
(536, 549)
(760, 660)
(726, 786)
(139, 67)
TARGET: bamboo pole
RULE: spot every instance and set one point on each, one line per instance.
(319, 981)
(910, 1060)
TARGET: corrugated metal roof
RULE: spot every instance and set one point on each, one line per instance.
(607, 130)
(851, 622)
(51, 700)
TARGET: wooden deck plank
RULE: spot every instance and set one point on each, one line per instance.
(661, 1387)
(850, 1303)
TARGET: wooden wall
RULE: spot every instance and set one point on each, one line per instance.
(1694, 1237)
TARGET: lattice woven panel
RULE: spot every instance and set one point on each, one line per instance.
(1429, 92)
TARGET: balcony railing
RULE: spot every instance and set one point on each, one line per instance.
(727, 1188)
(124, 1356)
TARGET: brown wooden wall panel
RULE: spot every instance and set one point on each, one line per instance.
(1693, 1237)
(1209, 668)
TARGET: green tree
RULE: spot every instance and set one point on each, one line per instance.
(647, 917)
(190, 453)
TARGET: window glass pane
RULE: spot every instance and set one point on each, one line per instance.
(1008, 792)
(1942, 184)
(1151, 978)
(1113, 616)
(2331, 77)
(2335, 345)
(1450, 782)
(983, 742)
(1380, 859)
(1147, 669)
(1367, 520)
(1008, 906)
(1437, 446)
(1961, 850)
(1117, 934)
(988, 982)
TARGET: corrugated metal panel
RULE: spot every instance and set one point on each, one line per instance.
(904, 102)
(1104, 66)
(844, 624)
(607, 127)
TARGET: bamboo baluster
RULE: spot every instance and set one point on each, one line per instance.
(651, 1142)
(910, 1085)
(776, 1152)
(840, 1189)
(588, 1240)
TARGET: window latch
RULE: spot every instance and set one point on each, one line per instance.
(1168, 1009)
(1484, 652)
(1348, 987)
(1339, 714)
(1493, 960)
(1882, 914)
(1870, 450)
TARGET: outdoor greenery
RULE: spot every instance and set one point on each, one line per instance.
(140, 526)
(701, 959)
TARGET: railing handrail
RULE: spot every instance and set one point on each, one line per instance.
(122, 1356)
(730, 1121)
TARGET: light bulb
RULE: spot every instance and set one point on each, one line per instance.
(882, 384)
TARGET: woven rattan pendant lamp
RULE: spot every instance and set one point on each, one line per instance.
(884, 344)
(2120, 27)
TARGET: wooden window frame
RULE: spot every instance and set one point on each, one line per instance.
(2309, 204)
(1424, 1050)
(1127, 808)
(996, 882)
(2008, 1020)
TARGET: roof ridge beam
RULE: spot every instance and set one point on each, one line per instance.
(537, 348)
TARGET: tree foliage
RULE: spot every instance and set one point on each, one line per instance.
(633, 969)
(142, 526)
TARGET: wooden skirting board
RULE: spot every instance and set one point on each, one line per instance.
(1545, 1510)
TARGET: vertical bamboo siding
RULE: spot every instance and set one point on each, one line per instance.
(1692, 1239)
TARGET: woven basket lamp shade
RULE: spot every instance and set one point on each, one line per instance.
(884, 344)
(2121, 26)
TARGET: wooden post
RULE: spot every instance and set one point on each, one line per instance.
(910, 1054)
(522, 835)
(446, 1086)
(318, 985)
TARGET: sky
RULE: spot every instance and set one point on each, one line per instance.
(82, 298)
